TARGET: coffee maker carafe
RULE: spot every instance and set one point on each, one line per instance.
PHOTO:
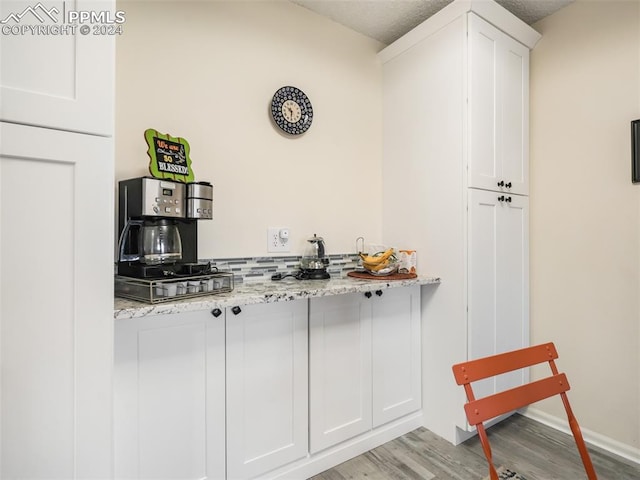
(158, 242)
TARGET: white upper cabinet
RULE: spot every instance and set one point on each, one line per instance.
(60, 78)
(498, 102)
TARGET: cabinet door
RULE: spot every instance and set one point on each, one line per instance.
(60, 80)
(56, 313)
(396, 354)
(267, 387)
(498, 102)
(339, 368)
(482, 277)
(169, 397)
(512, 320)
(514, 130)
(497, 279)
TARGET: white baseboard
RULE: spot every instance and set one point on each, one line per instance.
(321, 461)
(610, 445)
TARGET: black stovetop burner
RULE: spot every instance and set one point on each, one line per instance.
(139, 270)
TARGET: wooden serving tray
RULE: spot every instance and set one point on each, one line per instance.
(393, 276)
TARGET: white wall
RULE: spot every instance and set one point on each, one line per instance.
(585, 212)
(207, 71)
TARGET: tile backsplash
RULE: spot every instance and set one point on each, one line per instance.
(247, 269)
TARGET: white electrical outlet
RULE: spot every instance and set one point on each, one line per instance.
(278, 239)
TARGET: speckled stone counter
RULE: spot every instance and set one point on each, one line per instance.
(264, 292)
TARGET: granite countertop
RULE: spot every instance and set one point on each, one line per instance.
(264, 292)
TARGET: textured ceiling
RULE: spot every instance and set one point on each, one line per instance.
(388, 20)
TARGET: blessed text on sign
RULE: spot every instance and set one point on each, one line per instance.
(169, 156)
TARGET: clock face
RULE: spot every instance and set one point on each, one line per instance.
(291, 110)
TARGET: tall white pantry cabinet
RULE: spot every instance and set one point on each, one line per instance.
(56, 244)
(455, 163)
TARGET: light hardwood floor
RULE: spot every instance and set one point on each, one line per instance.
(534, 450)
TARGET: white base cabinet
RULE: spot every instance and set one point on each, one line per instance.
(339, 369)
(169, 397)
(199, 396)
(364, 362)
(396, 348)
(267, 390)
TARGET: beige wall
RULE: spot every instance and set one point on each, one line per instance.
(585, 212)
(207, 71)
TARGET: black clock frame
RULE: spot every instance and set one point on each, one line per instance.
(291, 93)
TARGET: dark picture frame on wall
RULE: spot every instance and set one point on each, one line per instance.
(635, 151)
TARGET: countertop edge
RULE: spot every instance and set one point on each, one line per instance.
(264, 292)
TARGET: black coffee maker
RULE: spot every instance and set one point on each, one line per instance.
(158, 228)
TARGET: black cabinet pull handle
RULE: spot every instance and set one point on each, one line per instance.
(367, 294)
(236, 310)
(508, 199)
(379, 293)
(501, 198)
(508, 185)
(501, 183)
(216, 312)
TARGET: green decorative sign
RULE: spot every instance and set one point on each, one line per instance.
(169, 156)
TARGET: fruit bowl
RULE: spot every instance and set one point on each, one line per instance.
(383, 272)
(380, 264)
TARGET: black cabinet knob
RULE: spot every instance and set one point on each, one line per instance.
(508, 199)
(367, 294)
(236, 310)
(501, 183)
(216, 312)
(379, 293)
(508, 185)
(501, 198)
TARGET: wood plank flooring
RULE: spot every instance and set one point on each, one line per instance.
(534, 450)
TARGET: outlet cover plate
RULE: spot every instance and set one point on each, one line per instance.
(275, 241)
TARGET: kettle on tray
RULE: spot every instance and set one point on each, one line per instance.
(314, 263)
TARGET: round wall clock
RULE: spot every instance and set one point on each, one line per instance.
(291, 110)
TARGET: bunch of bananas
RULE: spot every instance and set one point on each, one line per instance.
(379, 261)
